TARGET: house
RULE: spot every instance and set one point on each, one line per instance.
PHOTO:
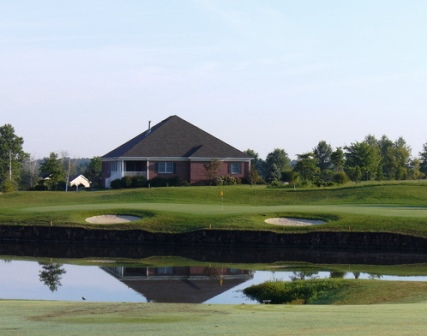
(173, 148)
(80, 180)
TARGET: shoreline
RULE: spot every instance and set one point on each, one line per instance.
(346, 240)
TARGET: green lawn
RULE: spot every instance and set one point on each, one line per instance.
(391, 207)
(398, 207)
(84, 318)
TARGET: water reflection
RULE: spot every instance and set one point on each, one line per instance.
(184, 284)
(211, 276)
(51, 275)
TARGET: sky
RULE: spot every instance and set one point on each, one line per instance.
(83, 77)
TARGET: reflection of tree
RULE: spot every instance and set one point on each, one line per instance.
(211, 272)
(374, 276)
(356, 275)
(302, 275)
(337, 275)
(51, 275)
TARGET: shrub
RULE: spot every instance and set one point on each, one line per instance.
(175, 181)
(8, 186)
(138, 181)
(303, 291)
(229, 180)
(158, 182)
(340, 177)
(116, 184)
(126, 181)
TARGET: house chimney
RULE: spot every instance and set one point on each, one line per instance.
(149, 127)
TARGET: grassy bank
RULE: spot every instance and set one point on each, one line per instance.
(338, 291)
(399, 207)
(67, 318)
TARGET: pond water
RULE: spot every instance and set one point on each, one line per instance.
(200, 282)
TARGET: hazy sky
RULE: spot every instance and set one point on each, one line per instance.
(86, 76)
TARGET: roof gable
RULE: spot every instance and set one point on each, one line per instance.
(175, 137)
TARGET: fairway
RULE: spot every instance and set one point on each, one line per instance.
(211, 209)
(394, 208)
(67, 318)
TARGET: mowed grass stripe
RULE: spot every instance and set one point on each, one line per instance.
(209, 209)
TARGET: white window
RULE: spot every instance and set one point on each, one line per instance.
(165, 167)
(235, 168)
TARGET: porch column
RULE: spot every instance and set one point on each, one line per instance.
(122, 167)
(148, 169)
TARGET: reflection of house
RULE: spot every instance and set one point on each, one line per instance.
(186, 284)
(173, 148)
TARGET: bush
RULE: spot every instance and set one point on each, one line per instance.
(116, 184)
(8, 186)
(303, 291)
(138, 182)
(158, 182)
(126, 181)
(340, 177)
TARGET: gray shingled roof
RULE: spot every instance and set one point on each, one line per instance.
(175, 137)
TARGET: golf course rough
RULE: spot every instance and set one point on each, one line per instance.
(86, 318)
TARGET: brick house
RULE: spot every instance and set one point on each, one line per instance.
(173, 148)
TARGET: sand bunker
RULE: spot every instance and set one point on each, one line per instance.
(111, 219)
(294, 221)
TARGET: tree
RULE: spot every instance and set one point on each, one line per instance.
(257, 162)
(322, 153)
(280, 158)
(402, 155)
(337, 159)
(93, 172)
(387, 160)
(415, 169)
(29, 173)
(253, 176)
(307, 167)
(11, 157)
(395, 158)
(212, 169)
(365, 155)
(423, 159)
(69, 167)
(274, 174)
(53, 170)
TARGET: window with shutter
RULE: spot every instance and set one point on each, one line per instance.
(235, 168)
(165, 167)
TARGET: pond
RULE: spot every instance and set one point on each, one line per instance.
(170, 277)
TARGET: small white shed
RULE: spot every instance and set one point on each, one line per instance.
(80, 180)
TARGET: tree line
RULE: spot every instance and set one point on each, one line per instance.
(20, 171)
(367, 160)
(370, 159)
